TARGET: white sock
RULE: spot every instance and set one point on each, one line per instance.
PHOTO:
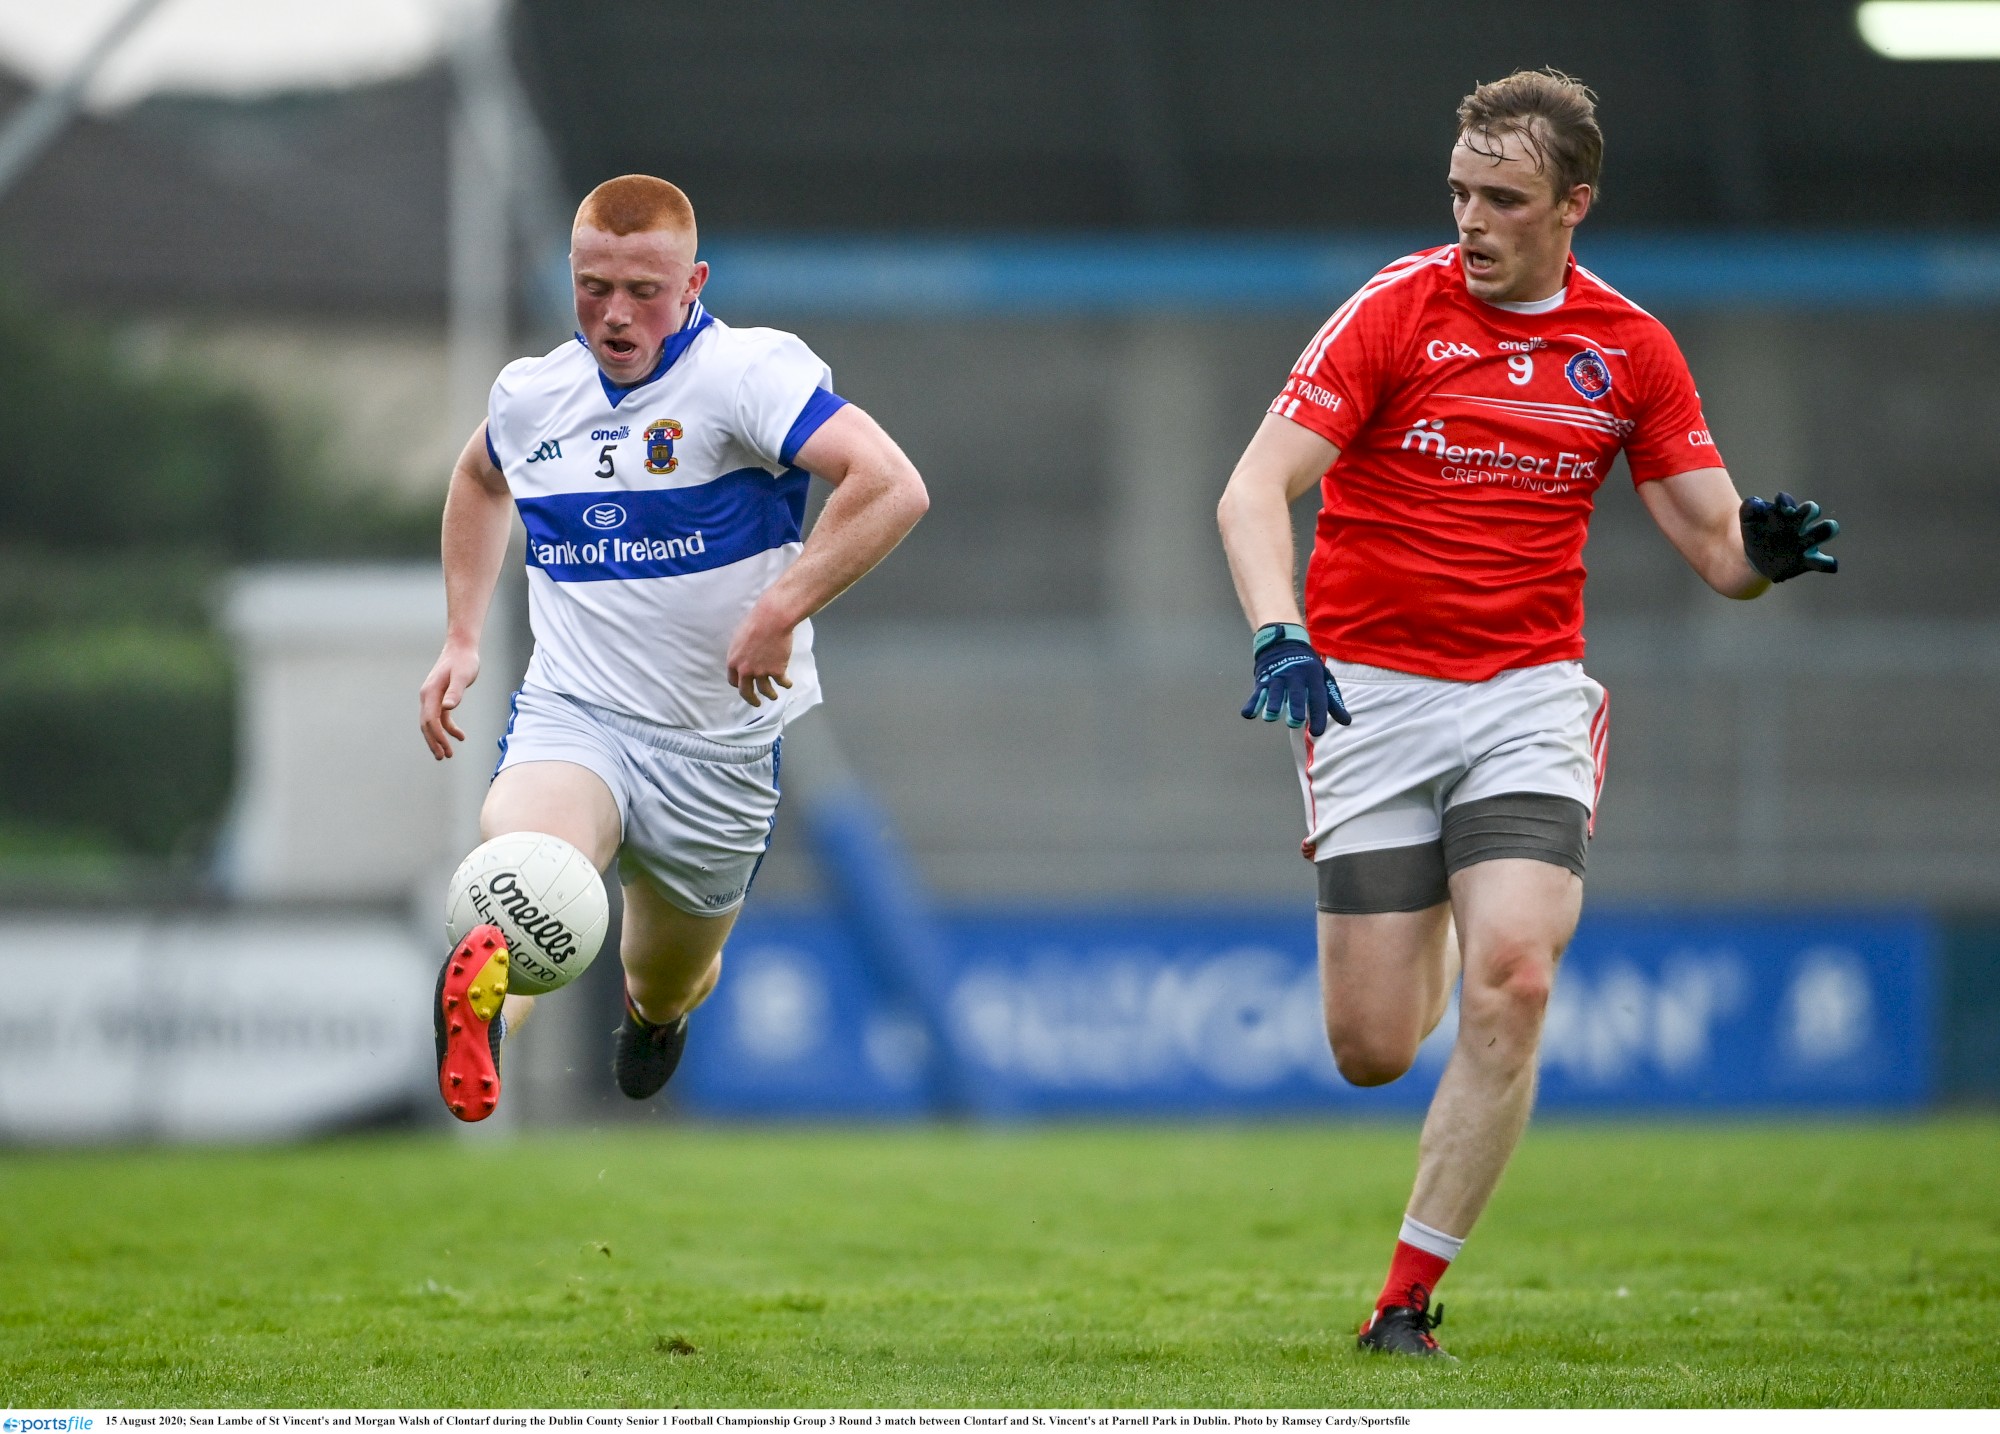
(1432, 1242)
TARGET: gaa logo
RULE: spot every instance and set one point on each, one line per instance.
(661, 435)
(1588, 374)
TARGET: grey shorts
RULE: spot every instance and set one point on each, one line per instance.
(695, 815)
(1422, 744)
(1531, 826)
(1436, 775)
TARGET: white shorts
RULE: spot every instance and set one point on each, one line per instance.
(1422, 744)
(694, 815)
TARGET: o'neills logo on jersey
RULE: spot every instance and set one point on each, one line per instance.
(661, 435)
(1532, 472)
(503, 890)
(619, 550)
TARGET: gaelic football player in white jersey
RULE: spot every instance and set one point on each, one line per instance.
(1457, 416)
(659, 462)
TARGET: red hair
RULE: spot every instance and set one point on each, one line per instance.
(637, 204)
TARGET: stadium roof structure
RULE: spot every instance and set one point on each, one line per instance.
(331, 202)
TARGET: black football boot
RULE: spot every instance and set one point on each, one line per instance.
(1406, 1329)
(645, 1055)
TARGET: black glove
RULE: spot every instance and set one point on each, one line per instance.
(1293, 681)
(1782, 538)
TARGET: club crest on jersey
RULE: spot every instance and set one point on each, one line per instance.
(1588, 374)
(661, 435)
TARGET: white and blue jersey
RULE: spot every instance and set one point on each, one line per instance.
(657, 515)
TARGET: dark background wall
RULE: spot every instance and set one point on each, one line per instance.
(1037, 114)
(896, 117)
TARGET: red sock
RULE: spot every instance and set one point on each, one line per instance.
(1413, 1274)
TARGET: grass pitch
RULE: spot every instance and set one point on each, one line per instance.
(1074, 1266)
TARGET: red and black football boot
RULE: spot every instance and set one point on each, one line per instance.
(466, 1020)
(1405, 1329)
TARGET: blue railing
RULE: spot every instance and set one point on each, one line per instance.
(1030, 276)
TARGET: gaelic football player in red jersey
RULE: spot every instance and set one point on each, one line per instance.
(1458, 415)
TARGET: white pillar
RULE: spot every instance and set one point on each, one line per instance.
(337, 798)
(480, 290)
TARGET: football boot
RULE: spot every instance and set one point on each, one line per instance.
(1405, 1329)
(645, 1055)
(465, 1018)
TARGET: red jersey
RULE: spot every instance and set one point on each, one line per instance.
(1472, 441)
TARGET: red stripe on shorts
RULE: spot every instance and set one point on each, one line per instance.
(1307, 849)
(1600, 734)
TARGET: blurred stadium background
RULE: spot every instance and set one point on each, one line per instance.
(251, 296)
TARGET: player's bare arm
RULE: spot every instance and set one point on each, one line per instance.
(1739, 548)
(1696, 511)
(1282, 464)
(878, 496)
(477, 514)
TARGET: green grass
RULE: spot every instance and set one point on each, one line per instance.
(1076, 1266)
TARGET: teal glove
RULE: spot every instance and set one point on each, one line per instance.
(1782, 538)
(1293, 681)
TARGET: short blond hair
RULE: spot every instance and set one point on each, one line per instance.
(637, 204)
(1554, 113)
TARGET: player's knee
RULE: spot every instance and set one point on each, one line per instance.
(1370, 1066)
(1365, 1057)
(1514, 982)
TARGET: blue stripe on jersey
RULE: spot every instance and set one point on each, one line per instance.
(819, 408)
(663, 532)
